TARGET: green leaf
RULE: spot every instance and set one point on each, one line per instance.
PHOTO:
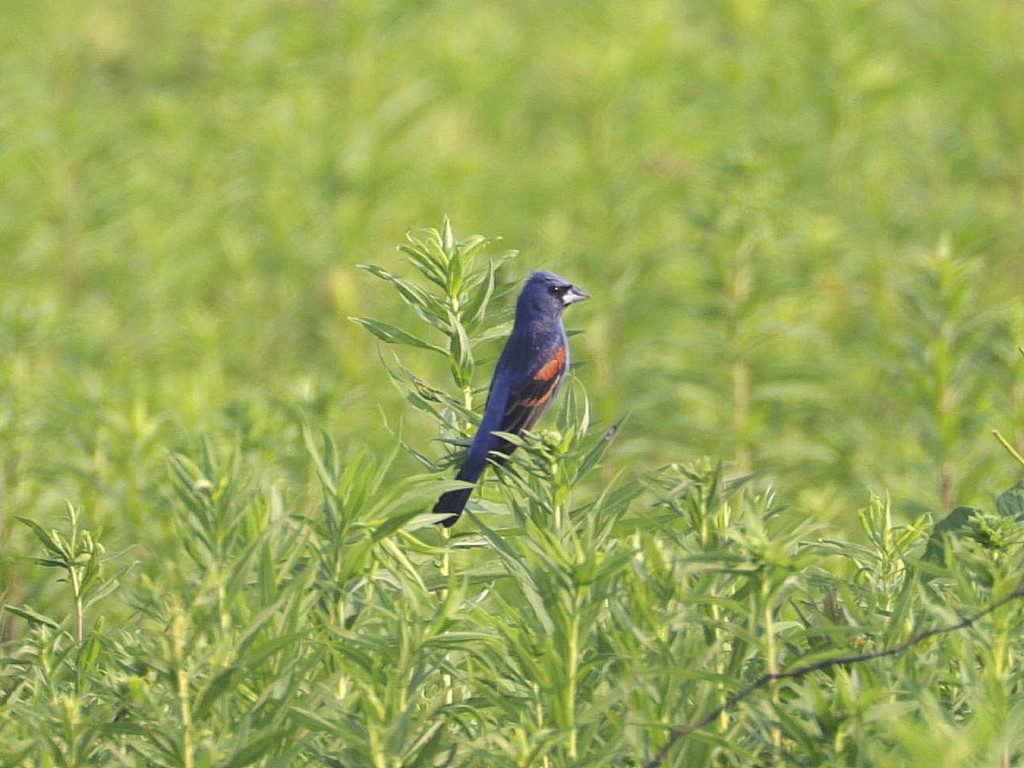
(426, 306)
(220, 683)
(394, 523)
(499, 331)
(392, 335)
(460, 356)
(431, 267)
(255, 750)
(313, 721)
(1011, 502)
(31, 615)
(474, 308)
(959, 522)
(520, 571)
(51, 540)
(448, 236)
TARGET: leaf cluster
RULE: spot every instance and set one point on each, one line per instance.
(680, 618)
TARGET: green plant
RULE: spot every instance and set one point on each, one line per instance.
(295, 604)
(54, 680)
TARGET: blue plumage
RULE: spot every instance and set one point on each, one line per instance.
(529, 372)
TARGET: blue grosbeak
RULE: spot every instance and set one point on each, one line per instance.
(529, 372)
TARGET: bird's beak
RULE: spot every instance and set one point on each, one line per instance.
(573, 295)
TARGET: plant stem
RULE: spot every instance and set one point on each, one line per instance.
(184, 704)
(76, 588)
(570, 689)
(771, 660)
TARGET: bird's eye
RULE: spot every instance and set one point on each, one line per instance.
(558, 290)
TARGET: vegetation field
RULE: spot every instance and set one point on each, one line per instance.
(257, 260)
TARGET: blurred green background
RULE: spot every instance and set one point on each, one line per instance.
(800, 221)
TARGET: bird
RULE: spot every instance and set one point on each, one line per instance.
(528, 375)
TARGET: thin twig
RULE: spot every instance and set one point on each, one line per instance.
(1007, 446)
(855, 658)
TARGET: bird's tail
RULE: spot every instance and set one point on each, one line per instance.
(453, 502)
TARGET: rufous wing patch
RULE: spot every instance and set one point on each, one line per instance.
(552, 367)
(536, 401)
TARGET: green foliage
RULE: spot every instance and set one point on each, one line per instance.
(572, 619)
(800, 223)
(454, 302)
(762, 224)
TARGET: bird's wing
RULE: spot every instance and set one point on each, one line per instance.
(527, 401)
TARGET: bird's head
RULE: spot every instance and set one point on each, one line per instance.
(548, 293)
